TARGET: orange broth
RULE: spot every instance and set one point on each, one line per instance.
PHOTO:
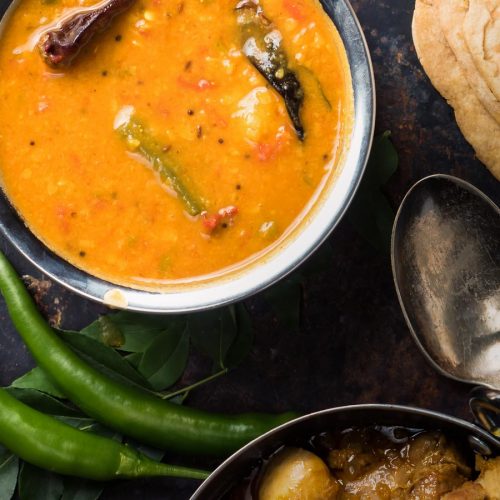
(80, 190)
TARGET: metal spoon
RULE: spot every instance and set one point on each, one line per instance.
(446, 265)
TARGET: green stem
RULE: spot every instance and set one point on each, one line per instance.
(150, 468)
(171, 395)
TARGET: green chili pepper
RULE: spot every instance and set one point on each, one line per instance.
(146, 145)
(129, 410)
(50, 444)
(262, 44)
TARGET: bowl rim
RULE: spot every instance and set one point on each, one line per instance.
(382, 408)
(203, 293)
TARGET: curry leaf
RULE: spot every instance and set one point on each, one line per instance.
(37, 484)
(138, 330)
(370, 212)
(111, 334)
(42, 402)
(37, 379)
(165, 358)
(204, 329)
(174, 366)
(103, 358)
(285, 299)
(242, 343)
(228, 334)
(82, 423)
(213, 332)
(105, 331)
(9, 467)
(178, 399)
(81, 489)
(134, 359)
(153, 453)
(89, 425)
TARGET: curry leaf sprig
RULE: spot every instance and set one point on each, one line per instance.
(145, 351)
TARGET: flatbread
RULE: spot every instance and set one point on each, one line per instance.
(451, 17)
(441, 65)
(482, 35)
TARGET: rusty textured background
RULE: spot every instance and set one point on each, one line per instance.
(353, 346)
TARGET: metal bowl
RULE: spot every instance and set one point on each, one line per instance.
(231, 472)
(262, 270)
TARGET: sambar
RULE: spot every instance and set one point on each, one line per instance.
(90, 195)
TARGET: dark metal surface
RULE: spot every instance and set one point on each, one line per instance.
(354, 346)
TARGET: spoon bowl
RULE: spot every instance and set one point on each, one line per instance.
(446, 266)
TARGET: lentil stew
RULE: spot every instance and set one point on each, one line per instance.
(183, 139)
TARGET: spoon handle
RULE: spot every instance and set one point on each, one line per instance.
(485, 406)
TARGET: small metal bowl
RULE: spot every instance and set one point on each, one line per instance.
(233, 471)
(262, 270)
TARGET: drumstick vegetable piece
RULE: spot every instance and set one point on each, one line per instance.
(141, 141)
(262, 44)
(62, 44)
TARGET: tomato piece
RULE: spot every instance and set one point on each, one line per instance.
(295, 8)
(268, 150)
(265, 151)
(223, 217)
(210, 221)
